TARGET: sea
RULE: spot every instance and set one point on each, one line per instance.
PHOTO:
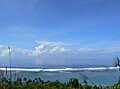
(94, 75)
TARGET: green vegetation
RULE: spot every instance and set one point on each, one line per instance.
(38, 83)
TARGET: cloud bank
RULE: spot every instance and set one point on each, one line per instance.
(50, 52)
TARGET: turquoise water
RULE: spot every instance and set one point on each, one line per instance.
(93, 75)
(96, 77)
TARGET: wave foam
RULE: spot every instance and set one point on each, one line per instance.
(61, 70)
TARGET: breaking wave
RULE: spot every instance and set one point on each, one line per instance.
(60, 69)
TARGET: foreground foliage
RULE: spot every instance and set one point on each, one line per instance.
(38, 83)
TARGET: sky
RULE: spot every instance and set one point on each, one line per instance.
(59, 32)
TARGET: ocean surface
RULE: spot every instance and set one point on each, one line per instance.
(99, 75)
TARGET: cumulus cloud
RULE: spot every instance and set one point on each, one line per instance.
(49, 48)
(38, 50)
(43, 54)
(53, 47)
(44, 47)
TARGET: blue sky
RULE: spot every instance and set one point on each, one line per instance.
(59, 31)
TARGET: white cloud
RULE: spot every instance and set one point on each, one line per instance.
(20, 51)
(38, 50)
(57, 50)
(4, 50)
(99, 51)
(3, 47)
(52, 43)
(45, 47)
(87, 49)
(42, 54)
(53, 47)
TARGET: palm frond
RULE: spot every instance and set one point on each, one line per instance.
(117, 62)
